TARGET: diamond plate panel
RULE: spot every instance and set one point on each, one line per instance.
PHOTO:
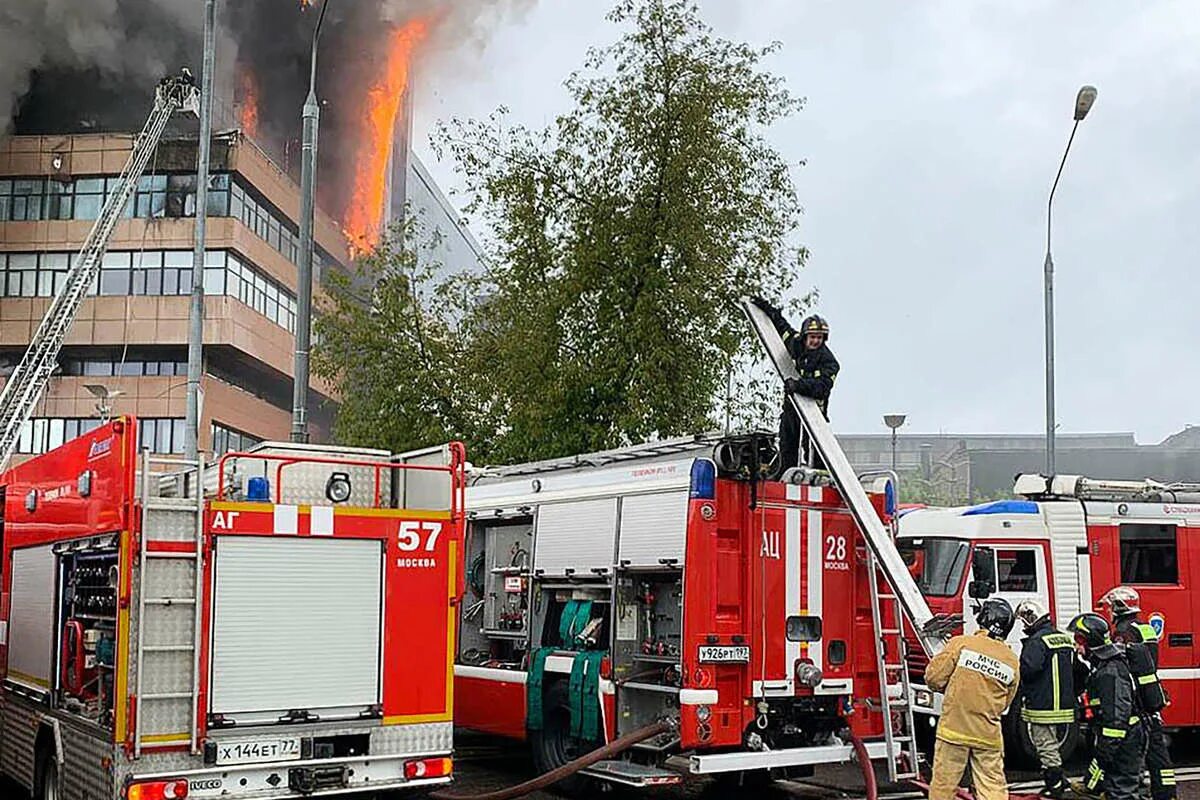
(84, 776)
(18, 732)
(170, 578)
(171, 524)
(167, 672)
(168, 625)
(164, 716)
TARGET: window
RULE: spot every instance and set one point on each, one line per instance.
(1016, 571)
(936, 564)
(41, 434)
(228, 440)
(162, 435)
(153, 273)
(1149, 554)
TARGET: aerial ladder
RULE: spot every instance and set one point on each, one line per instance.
(26, 385)
(898, 590)
(1077, 487)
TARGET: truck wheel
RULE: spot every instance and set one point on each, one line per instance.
(554, 745)
(1017, 742)
(46, 777)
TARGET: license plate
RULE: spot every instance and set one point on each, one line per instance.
(725, 653)
(258, 751)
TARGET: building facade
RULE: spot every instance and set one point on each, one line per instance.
(130, 338)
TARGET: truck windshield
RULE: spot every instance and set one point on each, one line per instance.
(936, 564)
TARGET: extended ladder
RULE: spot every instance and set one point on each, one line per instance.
(895, 691)
(929, 628)
(25, 386)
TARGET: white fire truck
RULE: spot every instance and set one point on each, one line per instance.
(1066, 542)
(243, 630)
(761, 620)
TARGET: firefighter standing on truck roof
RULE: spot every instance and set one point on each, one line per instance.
(1047, 690)
(1118, 733)
(1141, 651)
(817, 368)
(979, 676)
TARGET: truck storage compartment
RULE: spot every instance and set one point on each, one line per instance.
(296, 629)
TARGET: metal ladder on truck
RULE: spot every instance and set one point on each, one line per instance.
(895, 691)
(884, 559)
(25, 386)
(165, 674)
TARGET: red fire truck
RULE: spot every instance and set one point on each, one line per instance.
(1066, 542)
(608, 591)
(278, 624)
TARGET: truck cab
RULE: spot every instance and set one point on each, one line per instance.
(1065, 542)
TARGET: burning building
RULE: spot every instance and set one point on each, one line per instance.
(68, 105)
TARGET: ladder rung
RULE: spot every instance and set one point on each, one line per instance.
(168, 696)
(889, 631)
(894, 666)
(167, 648)
(902, 739)
(160, 554)
(886, 596)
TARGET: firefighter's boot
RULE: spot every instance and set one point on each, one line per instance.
(1056, 784)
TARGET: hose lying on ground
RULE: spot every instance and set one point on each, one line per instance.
(566, 770)
(868, 769)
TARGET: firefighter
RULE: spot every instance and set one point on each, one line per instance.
(1118, 732)
(1141, 651)
(817, 368)
(979, 676)
(1047, 690)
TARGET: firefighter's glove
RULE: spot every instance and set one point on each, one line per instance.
(764, 305)
(791, 385)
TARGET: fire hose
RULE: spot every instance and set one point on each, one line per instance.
(611, 749)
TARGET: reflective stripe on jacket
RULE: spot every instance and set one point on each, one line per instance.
(1047, 684)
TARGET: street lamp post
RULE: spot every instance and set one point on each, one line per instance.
(1083, 104)
(311, 117)
(894, 421)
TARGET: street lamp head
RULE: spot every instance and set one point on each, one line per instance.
(1083, 101)
(894, 421)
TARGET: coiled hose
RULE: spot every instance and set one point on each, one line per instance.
(611, 749)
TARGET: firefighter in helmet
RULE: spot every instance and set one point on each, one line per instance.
(1047, 690)
(1141, 651)
(1118, 732)
(979, 675)
(817, 370)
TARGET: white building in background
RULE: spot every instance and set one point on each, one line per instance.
(457, 249)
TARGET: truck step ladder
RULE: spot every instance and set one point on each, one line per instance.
(25, 386)
(166, 627)
(627, 773)
(895, 691)
(929, 629)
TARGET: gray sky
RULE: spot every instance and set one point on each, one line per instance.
(932, 133)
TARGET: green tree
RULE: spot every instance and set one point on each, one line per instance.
(622, 236)
(624, 232)
(392, 338)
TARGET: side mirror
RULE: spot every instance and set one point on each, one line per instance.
(983, 569)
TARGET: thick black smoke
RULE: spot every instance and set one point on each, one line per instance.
(71, 66)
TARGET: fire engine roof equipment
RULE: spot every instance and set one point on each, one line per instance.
(930, 629)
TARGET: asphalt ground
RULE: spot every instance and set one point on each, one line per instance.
(483, 765)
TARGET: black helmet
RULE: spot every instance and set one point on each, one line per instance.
(996, 616)
(814, 324)
(1090, 630)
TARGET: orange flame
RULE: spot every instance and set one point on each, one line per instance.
(248, 113)
(364, 216)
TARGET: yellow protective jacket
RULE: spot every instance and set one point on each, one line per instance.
(978, 676)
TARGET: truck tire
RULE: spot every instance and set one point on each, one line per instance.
(45, 780)
(554, 745)
(1017, 743)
